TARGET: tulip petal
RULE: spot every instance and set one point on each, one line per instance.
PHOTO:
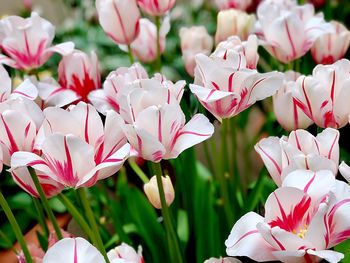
(344, 169)
(329, 255)
(198, 129)
(329, 144)
(73, 250)
(245, 239)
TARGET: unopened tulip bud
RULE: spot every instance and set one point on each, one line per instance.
(236, 4)
(194, 40)
(156, 7)
(152, 192)
(233, 22)
(119, 19)
(331, 47)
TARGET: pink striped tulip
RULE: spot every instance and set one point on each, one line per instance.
(155, 125)
(331, 47)
(324, 96)
(249, 49)
(25, 90)
(79, 73)
(288, 114)
(156, 7)
(76, 149)
(194, 40)
(125, 254)
(299, 229)
(115, 86)
(225, 87)
(26, 42)
(234, 4)
(144, 47)
(288, 31)
(76, 250)
(301, 150)
(119, 19)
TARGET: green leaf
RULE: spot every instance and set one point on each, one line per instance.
(182, 226)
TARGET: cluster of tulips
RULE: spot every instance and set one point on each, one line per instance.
(72, 131)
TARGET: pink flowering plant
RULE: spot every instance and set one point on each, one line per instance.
(135, 131)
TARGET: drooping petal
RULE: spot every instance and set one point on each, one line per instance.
(198, 129)
(26, 89)
(344, 169)
(73, 250)
(245, 239)
(329, 255)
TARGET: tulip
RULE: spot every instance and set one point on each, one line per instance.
(324, 96)
(235, 4)
(119, 19)
(248, 49)
(225, 87)
(79, 73)
(194, 40)
(233, 23)
(115, 86)
(154, 123)
(25, 89)
(331, 47)
(144, 47)
(76, 150)
(156, 7)
(152, 191)
(125, 253)
(298, 229)
(301, 150)
(288, 31)
(76, 250)
(288, 115)
(26, 42)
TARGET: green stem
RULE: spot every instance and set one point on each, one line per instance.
(8, 242)
(15, 227)
(77, 216)
(134, 166)
(91, 218)
(223, 174)
(131, 56)
(208, 157)
(41, 216)
(45, 203)
(175, 248)
(159, 55)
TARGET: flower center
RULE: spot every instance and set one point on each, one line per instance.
(302, 231)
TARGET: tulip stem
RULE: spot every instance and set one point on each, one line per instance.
(41, 216)
(174, 246)
(77, 216)
(91, 218)
(15, 227)
(223, 174)
(45, 203)
(159, 55)
(131, 56)
(134, 166)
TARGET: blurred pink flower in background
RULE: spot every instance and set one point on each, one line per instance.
(233, 23)
(144, 47)
(156, 7)
(26, 42)
(288, 114)
(235, 4)
(300, 150)
(119, 19)
(288, 30)
(80, 73)
(194, 40)
(331, 47)
(298, 229)
(125, 254)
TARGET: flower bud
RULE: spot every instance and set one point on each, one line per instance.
(331, 47)
(233, 22)
(194, 40)
(152, 192)
(156, 7)
(236, 4)
(119, 19)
